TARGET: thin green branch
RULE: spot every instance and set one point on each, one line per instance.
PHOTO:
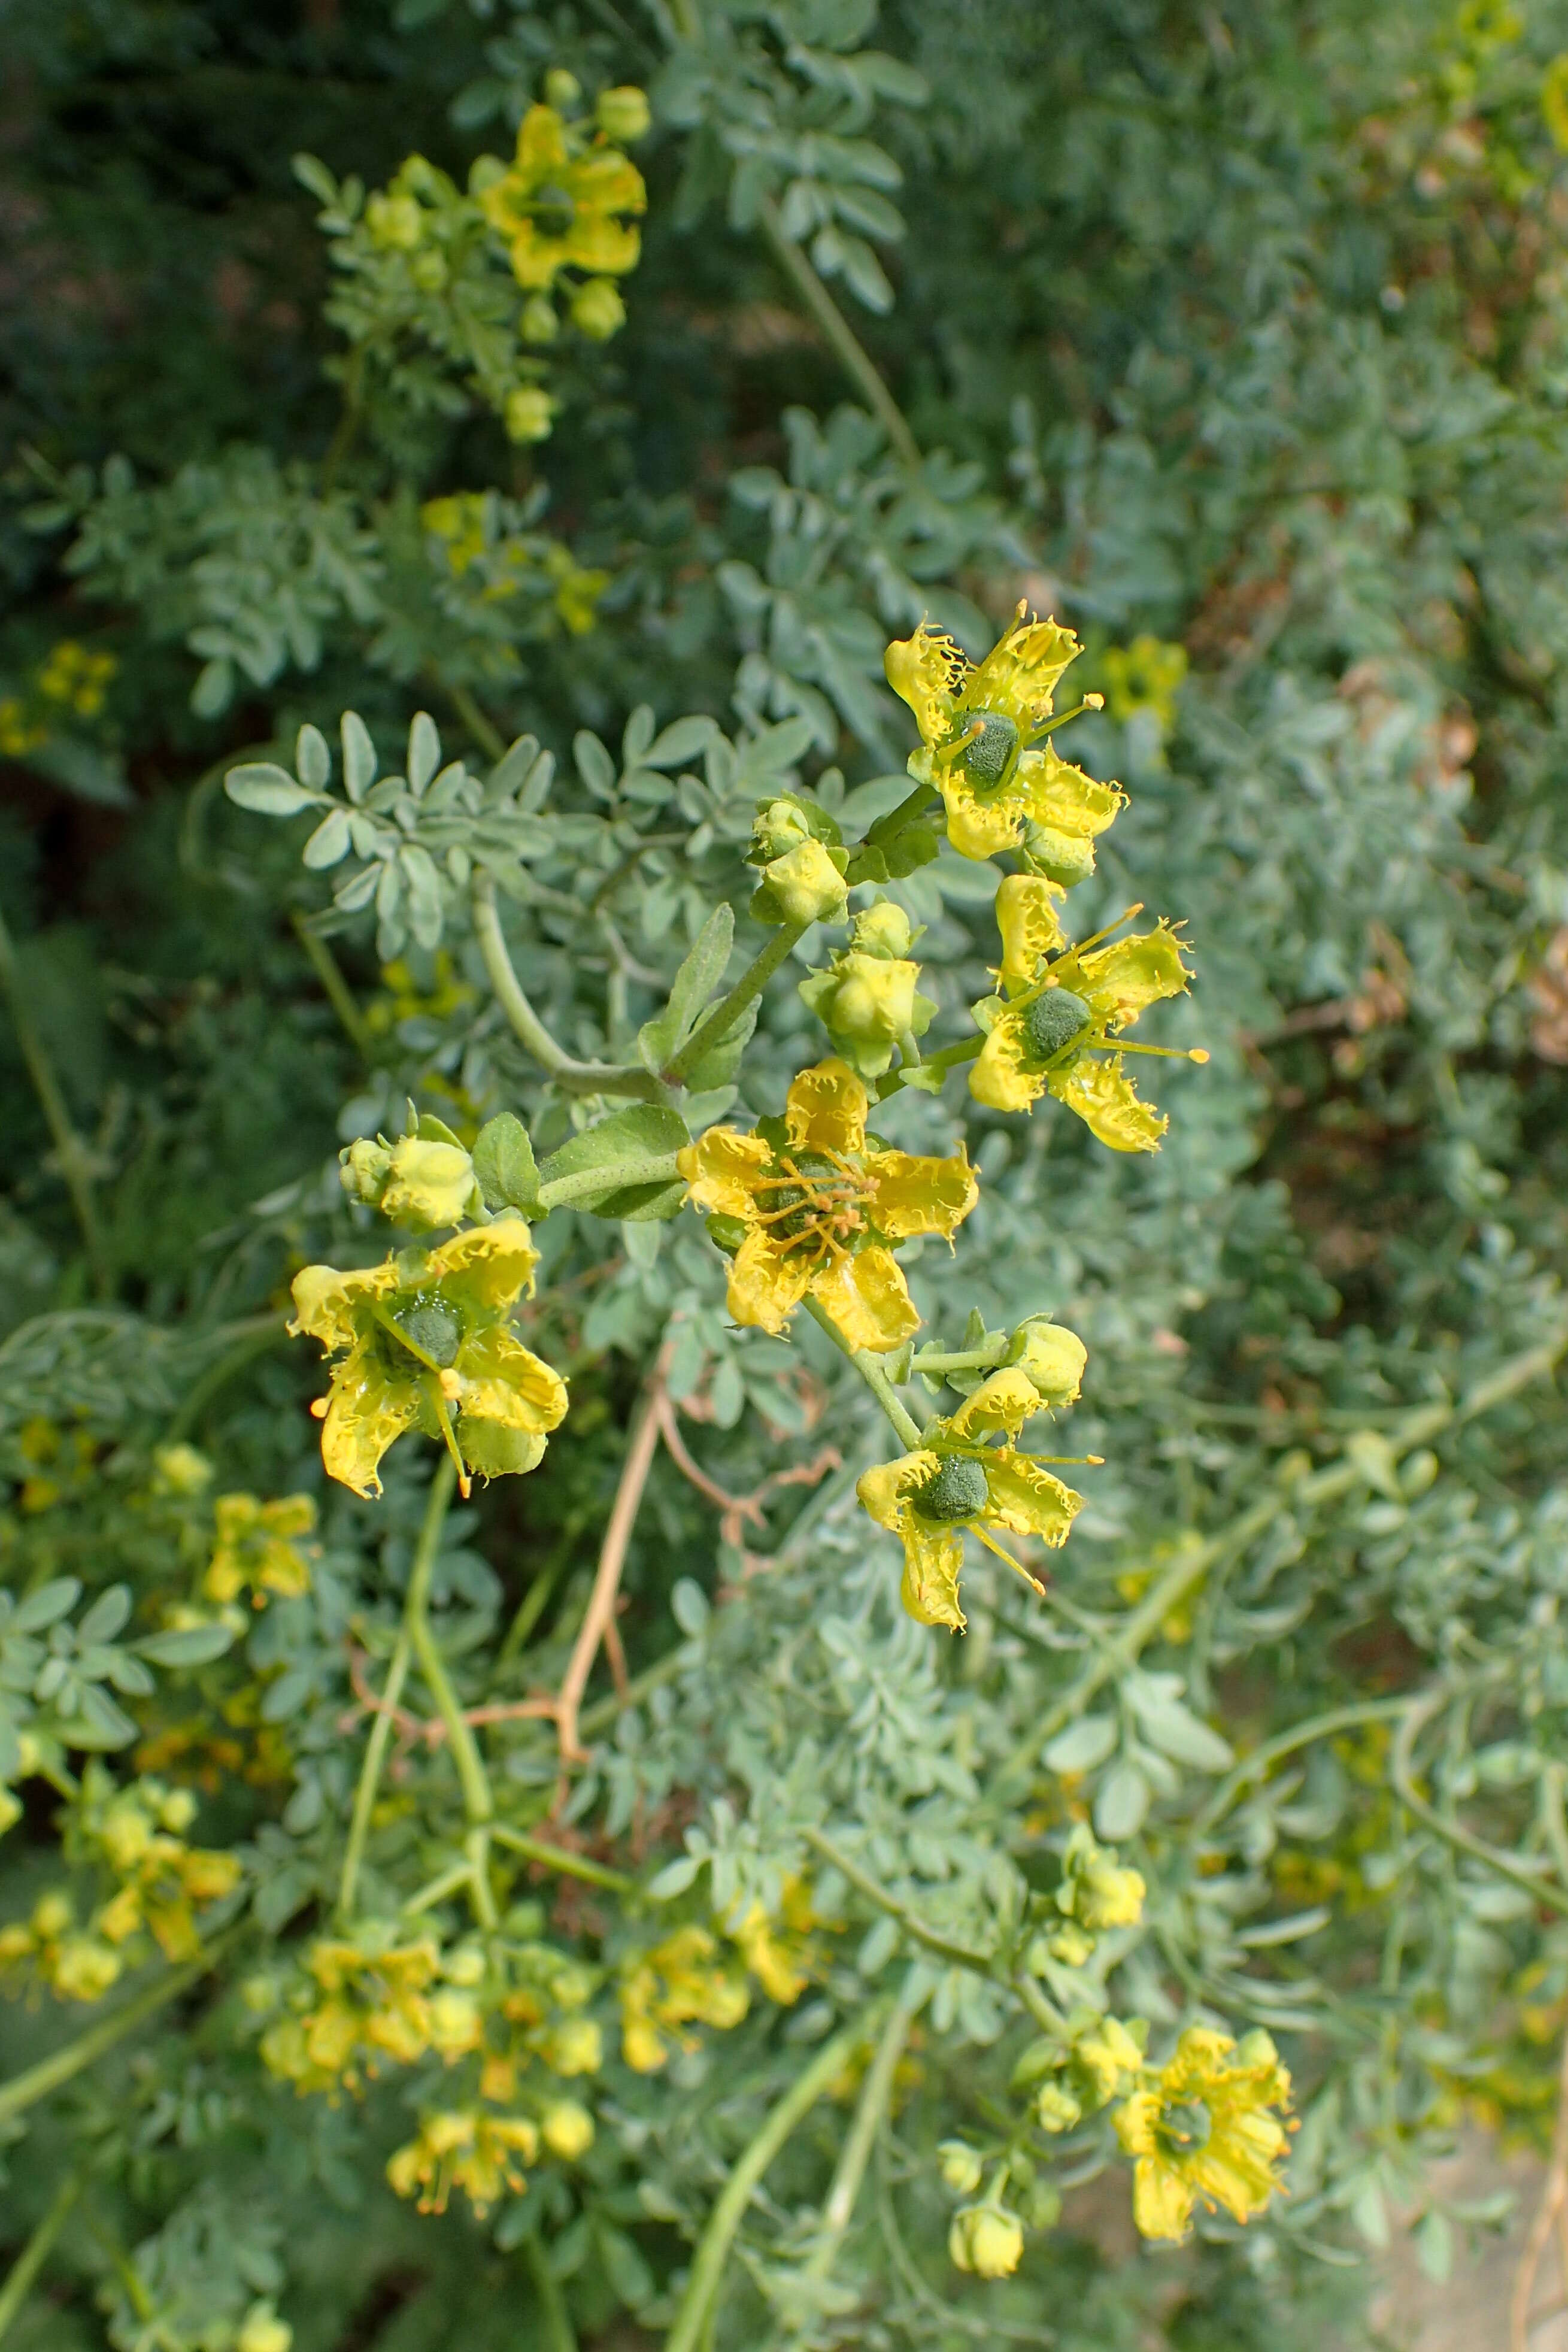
(569, 1865)
(349, 418)
(264, 1333)
(728, 1009)
(1263, 1759)
(482, 727)
(335, 988)
(69, 1149)
(713, 2247)
(573, 1076)
(559, 2334)
(906, 1427)
(478, 1803)
(586, 1182)
(1401, 1775)
(370, 1768)
(35, 2253)
(36, 2083)
(848, 349)
(876, 2093)
(931, 1939)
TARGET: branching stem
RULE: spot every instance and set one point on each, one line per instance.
(69, 1149)
(847, 347)
(931, 1939)
(728, 1009)
(35, 2253)
(571, 1075)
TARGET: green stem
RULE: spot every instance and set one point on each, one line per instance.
(573, 1076)
(851, 355)
(569, 1865)
(69, 1149)
(728, 1009)
(558, 2333)
(897, 818)
(968, 1049)
(713, 2248)
(871, 1372)
(348, 425)
(945, 1947)
(36, 2083)
(477, 1801)
(876, 2092)
(337, 993)
(535, 1600)
(933, 1363)
(483, 731)
(35, 2253)
(1301, 1735)
(1401, 1779)
(371, 1769)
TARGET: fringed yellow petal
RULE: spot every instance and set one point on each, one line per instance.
(1029, 925)
(882, 1490)
(980, 828)
(328, 1306)
(1002, 1078)
(607, 182)
(825, 1109)
(765, 1286)
(1020, 674)
(927, 671)
(914, 1195)
(867, 1301)
(502, 1381)
(1028, 1499)
(1108, 1105)
(1161, 2201)
(366, 1411)
(1121, 980)
(541, 144)
(1005, 1400)
(722, 1169)
(491, 1264)
(601, 246)
(933, 1558)
(1063, 798)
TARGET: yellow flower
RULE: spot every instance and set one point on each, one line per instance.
(679, 1981)
(568, 2130)
(479, 2153)
(982, 736)
(1204, 2129)
(956, 1483)
(806, 884)
(779, 1957)
(867, 1001)
(528, 413)
(1554, 100)
(1052, 1361)
(257, 1547)
(985, 2240)
(1144, 676)
(560, 205)
(816, 1208)
(263, 2331)
(1041, 1034)
(425, 1343)
(1096, 1890)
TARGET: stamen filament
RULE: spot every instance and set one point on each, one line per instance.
(444, 1416)
(1081, 947)
(1090, 702)
(1016, 1565)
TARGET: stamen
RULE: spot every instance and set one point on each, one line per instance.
(1038, 734)
(1083, 946)
(388, 1323)
(1016, 1565)
(464, 1483)
(1170, 1053)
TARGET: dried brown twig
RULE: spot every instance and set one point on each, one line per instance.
(1550, 2214)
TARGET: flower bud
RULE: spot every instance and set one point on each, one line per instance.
(1096, 1889)
(428, 1184)
(85, 1968)
(574, 2046)
(178, 1810)
(780, 826)
(465, 1965)
(395, 222)
(567, 2129)
(562, 89)
(539, 323)
(527, 414)
(883, 930)
(960, 2166)
(987, 2241)
(806, 887)
(597, 310)
(455, 2025)
(263, 2331)
(622, 114)
(180, 1470)
(363, 1170)
(1055, 2109)
(429, 273)
(1053, 1360)
(866, 1003)
(51, 1917)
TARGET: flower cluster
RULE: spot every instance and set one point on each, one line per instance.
(811, 1208)
(961, 1480)
(481, 550)
(690, 1980)
(257, 1548)
(1204, 2128)
(425, 1342)
(363, 2002)
(70, 678)
(565, 203)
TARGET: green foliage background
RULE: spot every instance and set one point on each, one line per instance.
(1241, 328)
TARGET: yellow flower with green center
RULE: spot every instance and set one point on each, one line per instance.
(814, 1206)
(983, 745)
(427, 1344)
(560, 205)
(1060, 1009)
(1204, 2128)
(956, 1484)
